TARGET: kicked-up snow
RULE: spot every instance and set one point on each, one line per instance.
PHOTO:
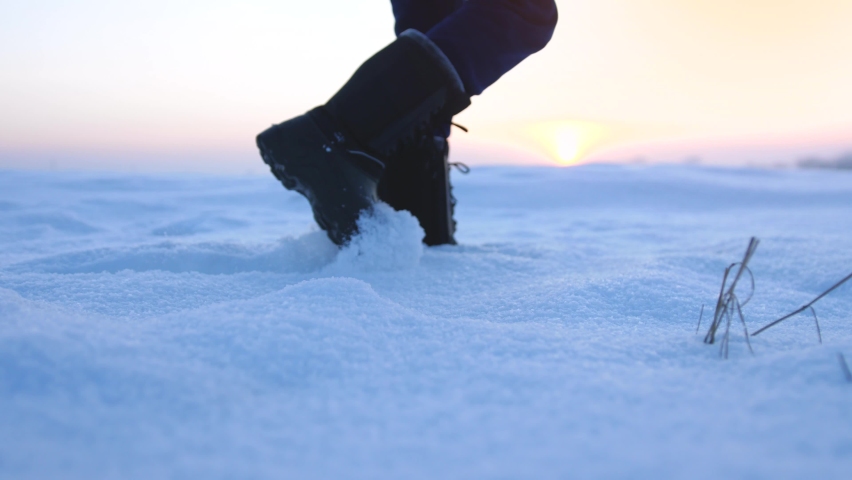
(177, 326)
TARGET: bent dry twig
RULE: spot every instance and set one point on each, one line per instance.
(728, 304)
(816, 322)
(806, 307)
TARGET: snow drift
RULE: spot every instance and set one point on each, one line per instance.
(201, 327)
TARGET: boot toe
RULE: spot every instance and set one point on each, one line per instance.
(304, 159)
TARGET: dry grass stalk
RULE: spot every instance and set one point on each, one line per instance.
(728, 304)
(844, 367)
(700, 317)
(808, 306)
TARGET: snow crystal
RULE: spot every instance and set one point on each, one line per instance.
(386, 240)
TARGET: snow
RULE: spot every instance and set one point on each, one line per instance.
(179, 326)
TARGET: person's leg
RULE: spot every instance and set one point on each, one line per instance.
(484, 39)
(423, 15)
(417, 180)
(335, 154)
(487, 38)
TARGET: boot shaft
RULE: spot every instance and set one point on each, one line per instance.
(399, 93)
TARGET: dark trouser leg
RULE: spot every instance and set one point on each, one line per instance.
(422, 15)
(483, 39)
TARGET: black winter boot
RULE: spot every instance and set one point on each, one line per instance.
(418, 180)
(335, 154)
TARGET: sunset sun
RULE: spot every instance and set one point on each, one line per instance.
(568, 142)
(567, 145)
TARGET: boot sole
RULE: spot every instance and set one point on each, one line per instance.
(298, 155)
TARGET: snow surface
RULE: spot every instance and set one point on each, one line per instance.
(201, 327)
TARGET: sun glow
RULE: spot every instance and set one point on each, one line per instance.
(569, 142)
(567, 145)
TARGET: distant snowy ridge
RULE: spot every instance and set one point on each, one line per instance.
(844, 162)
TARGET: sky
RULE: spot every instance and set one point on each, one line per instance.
(188, 84)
